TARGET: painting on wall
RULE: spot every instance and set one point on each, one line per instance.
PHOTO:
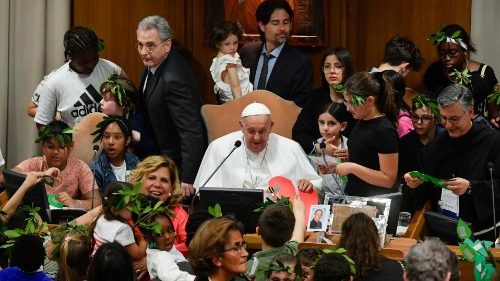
(308, 27)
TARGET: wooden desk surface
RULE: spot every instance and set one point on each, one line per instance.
(395, 249)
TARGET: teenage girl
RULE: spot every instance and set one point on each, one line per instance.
(373, 144)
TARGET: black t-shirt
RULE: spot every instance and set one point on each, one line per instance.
(368, 139)
(436, 79)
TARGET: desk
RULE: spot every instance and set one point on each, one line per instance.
(395, 249)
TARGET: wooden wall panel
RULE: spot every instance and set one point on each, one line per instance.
(116, 21)
(370, 24)
(360, 25)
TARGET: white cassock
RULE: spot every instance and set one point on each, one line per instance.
(244, 169)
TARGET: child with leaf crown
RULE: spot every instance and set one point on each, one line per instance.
(119, 96)
(73, 187)
(111, 225)
(454, 47)
(373, 143)
(114, 162)
(284, 267)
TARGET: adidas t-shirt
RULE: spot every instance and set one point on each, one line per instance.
(73, 95)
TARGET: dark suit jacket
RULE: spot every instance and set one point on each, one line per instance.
(291, 78)
(172, 107)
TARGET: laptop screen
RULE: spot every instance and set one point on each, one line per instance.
(235, 202)
(36, 196)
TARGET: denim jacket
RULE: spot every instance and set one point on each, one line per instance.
(104, 173)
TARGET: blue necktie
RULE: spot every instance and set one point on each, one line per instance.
(263, 73)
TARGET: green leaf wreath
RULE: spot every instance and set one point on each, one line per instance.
(278, 266)
(118, 92)
(32, 227)
(440, 36)
(215, 211)
(340, 251)
(100, 128)
(461, 77)
(64, 137)
(339, 88)
(283, 200)
(141, 206)
(495, 96)
(420, 101)
(63, 231)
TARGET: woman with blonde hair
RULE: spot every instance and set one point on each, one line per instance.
(159, 178)
(218, 251)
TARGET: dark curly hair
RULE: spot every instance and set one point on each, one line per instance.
(361, 240)
(332, 267)
(209, 242)
(27, 253)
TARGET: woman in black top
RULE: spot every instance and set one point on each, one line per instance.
(336, 66)
(373, 144)
(453, 49)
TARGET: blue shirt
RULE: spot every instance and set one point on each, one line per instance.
(16, 274)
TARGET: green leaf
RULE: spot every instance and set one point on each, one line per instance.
(463, 230)
(13, 233)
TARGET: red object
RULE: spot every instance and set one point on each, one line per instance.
(287, 189)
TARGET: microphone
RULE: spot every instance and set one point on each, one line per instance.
(95, 149)
(236, 145)
(490, 166)
(322, 146)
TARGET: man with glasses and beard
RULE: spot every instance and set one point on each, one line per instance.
(463, 156)
(169, 99)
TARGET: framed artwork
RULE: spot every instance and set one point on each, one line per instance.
(308, 27)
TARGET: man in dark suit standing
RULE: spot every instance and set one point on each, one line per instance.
(170, 99)
(274, 65)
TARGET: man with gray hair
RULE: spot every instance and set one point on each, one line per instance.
(467, 157)
(428, 261)
(170, 100)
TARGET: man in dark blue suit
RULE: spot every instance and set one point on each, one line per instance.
(274, 65)
(170, 100)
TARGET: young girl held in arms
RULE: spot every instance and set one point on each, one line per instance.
(230, 77)
(112, 225)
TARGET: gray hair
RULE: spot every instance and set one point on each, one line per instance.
(456, 93)
(428, 261)
(156, 22)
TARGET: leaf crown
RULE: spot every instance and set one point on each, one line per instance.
(101, 127)
(420, 101)
(62, 136)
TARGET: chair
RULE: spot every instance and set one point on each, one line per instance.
(223, 119)
(82, 138)
(4, 197)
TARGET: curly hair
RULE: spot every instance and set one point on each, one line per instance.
(361, 240)
(209, 242)
(127, 85)
(153, 163)
(79, 40)
(222, 30)
(332, 267)
(28, 253)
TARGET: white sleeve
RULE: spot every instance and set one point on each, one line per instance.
(2, 161)
(167, 269)
(125, 236)
(47, 103)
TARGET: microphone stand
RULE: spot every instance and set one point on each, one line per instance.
(236, 145)
(490, 167)
(95, 149)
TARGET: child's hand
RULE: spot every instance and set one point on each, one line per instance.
(342, 154)
(64, 198)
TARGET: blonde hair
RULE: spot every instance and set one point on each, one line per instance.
(74, 257)
(153, 163)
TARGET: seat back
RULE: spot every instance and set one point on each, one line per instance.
(223, 119)
(82, 138)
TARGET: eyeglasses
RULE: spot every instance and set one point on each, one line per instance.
(425, 119)
(450, 53)
(150, 47)
(452, 119)
(337, 67)
(237, 248)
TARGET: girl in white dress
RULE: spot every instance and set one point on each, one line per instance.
(230, 77)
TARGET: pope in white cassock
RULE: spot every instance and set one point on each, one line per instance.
(264, 155)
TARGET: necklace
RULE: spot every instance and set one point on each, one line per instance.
(253, 179)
